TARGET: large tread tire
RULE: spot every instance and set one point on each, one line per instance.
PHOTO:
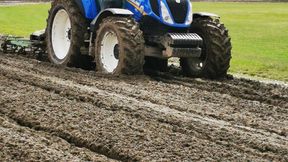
(131, 45)
(216, 50)
(78, 30)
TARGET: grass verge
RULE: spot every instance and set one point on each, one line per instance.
(22, 20)
(259, 34)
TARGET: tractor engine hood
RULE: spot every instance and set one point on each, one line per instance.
(173, 12)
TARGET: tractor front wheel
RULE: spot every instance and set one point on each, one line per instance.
(64, 33)
(214, 61)
(119, 46)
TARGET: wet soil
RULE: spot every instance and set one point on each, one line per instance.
(21, 143)
(55, 113)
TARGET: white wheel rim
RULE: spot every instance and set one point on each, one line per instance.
(109, 58)
(60, 34)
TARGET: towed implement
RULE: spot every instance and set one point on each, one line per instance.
(34, 46)
(126, 36)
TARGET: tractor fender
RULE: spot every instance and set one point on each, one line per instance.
(205, 14)
(88, 8)
(108, 12)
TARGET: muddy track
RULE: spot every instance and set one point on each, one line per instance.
(144, 118)
(21, 143)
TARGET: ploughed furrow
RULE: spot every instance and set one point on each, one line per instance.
(187, 98)
(128, 128)
(20, 143)
(241, 88)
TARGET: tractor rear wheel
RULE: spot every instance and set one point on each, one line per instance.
(119, 46)
(65, 32)
(214, 61)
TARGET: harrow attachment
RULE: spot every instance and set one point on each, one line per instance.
(31, 47)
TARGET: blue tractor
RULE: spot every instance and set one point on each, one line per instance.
(127, 36)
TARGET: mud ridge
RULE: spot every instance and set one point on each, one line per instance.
(49, 146)
(78, 142)
(66, 136)
(240, 88)
(245, 93)
(127, 91)
(152, 101)
(261, 148)
(187, 120)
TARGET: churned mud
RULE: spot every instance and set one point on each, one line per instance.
(20, 143)
(56, 113)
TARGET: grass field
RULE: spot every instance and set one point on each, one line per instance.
(23, 19)
(259, 33)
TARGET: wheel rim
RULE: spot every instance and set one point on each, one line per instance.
(198, 64)
(109, 53)
(61, 34)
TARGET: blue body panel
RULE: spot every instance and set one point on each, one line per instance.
(139, 8)
(90, 9)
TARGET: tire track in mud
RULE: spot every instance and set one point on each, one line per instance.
(180, 123)
(281, 132)
(253, 113)
(81, 140)
(32, 122)
(240, 88)
(19, 142)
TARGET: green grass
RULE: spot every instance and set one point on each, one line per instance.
(22, 20)
(259, 32)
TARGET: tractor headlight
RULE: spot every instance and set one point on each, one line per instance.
(190, 15)
(165, 13)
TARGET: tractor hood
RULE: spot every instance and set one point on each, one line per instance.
(176, 13)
